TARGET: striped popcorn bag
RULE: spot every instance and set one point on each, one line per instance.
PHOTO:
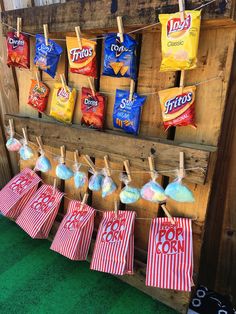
(170, 254)
(40, 212)
(114, 248)
(16, 194)
(74, 234)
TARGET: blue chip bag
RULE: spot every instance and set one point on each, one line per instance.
(47, 57)
(120, 58)
(126, 113)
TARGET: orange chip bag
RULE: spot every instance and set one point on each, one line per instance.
(177, 106)
(82, 61)
(179, 40)
(63, 103)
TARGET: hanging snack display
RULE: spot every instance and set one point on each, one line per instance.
(179, 40)
(47, 56)
(18, 54)
(38, 95)
(82, 61)
(178, 106)
(120, 57)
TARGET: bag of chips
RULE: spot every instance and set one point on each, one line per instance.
(63, 103)
(18, 54)
(82, 61)
(126, 113)
(179, 40)
(120, 58)
(47, 57)
(93, 109)
(38, 96)
(177, 106)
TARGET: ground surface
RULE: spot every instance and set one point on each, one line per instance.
(34, 279)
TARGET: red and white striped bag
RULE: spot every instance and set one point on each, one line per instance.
(170, 254)
(15, 195)
(39, 214)
(74, 234)
(114, 247)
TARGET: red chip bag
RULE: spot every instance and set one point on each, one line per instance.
(18, 50)
(38, 96)
(93, 109)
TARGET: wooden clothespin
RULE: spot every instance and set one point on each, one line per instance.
(54, 185)
(63, 81)
(76, 156)
(182, 77)
(45, 30)
(151, 166)
(163, 206)
(131, 90)
(84, 201)
(19, 26)
(181, 165)
(63, 154)
(126, 164)
(91, 86)
(181, 10)
(37, 78)
(116, 208)
(120, 28)
(11, 127)
(106, 161)
(89, 162)
(24, 130)
(40, 142)
(78, 34)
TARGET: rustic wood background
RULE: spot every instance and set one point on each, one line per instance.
(215, 227)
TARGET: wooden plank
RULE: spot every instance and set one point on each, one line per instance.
(119, 146)
(64, 17)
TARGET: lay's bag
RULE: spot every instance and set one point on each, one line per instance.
(179, 40)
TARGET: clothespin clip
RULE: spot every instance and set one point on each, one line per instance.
(24, 130)
(11, 127)
(37, 78)
(63, 81)
(131, 90)
(45, 30)
(40, 143)
(116, 208)
(120, 28)
(181, 165)
(163, 206)
(90, 163)
(181, 10)
(76, 156)
(126, 164)
(18, 26)
(91, 86)
(106, 161)
(84, 201)
(54, 186)
(151, 167)
(78, 34)
(63, 154)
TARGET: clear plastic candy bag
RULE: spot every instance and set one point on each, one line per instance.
(95, 181)
(43, 164)
(26, 152)
(153, 191)
(80, 177)
(108, 185)
(129, 194)
(12, 144)
(179, 192)
(63, 172)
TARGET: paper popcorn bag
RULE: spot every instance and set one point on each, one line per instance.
(114, 248)
(74, 234)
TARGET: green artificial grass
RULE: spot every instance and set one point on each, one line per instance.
(34, 279)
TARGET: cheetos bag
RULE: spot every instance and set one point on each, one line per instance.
(40, 212)
(170, 254)
(74, 234)
(18, 192)
(114, 248)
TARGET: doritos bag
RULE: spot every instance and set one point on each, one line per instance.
(126, 113)
(18, 192)
(114, 249)
(74, 234)
(93, 109)
(82, 61)
(63, 103)
(177, 106)
(179, 40)
(120, 58)
(38, 96)
(18, 54)
(47, 57)
(170, 254)
(40, 212)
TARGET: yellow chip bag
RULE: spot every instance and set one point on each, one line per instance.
(63, 103)
(179, 40)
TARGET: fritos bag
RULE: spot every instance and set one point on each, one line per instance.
(15, 195)
(179, 40)
(177, 106)
(74, 234)
(120, 58)
(170, 254)
(93, 109)
(82, 61)
(40, 212)
(63, 103)
(114, 249)
(38, 96)
(18, 54)
(47, 57)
